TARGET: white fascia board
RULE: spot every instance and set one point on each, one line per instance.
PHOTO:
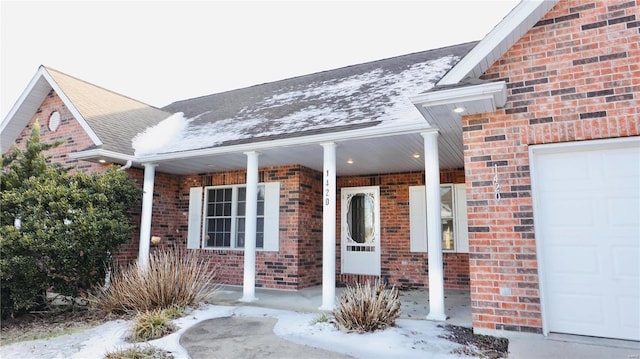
(495, 90)
(72, 108)
(485, 48)
(372, 132)
(21, 99)
(100, 153)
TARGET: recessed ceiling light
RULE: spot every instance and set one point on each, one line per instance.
(458, 109)
(350, 161)
(416, 155)
(102, 161)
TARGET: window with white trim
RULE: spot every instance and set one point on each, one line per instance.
(453, 215)
(225, 217)
(217, 217)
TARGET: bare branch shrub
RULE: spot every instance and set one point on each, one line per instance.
(367, 308)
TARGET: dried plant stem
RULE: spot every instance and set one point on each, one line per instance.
(174, 277)
(366, 308)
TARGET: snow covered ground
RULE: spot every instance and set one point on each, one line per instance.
(409, 339)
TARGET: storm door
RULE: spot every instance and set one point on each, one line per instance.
(360, 230)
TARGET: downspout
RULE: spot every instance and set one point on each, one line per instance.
(126, 166)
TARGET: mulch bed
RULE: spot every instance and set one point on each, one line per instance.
(484, 346)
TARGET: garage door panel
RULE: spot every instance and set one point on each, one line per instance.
(626, 261)
(623, 213)
(562, 170)
(619, 167)
(573, 315)
(582, 210)
(559, 264)
(587, 218)
(628, 312)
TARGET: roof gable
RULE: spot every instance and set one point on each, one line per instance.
(27, 105)
(498, 41)
(108, 118)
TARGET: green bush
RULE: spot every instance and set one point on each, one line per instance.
(173, 278)
(69, 225)
(366, 308)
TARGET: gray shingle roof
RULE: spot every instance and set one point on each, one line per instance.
(359, 96)
(115, 118)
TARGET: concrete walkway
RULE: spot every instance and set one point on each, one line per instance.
(245, 338)
(414, 306)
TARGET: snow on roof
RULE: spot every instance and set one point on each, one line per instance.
(366, 95)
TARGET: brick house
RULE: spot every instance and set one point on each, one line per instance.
(517, 157)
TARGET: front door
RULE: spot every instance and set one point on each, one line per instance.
(360, 230)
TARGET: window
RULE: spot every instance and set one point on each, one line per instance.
(217, 217)
(225, 217)
(360, 224)
(453, 215)
(54, 121)
(446, 215)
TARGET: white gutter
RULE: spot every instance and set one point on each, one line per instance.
(371, 132)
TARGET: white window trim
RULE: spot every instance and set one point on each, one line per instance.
(234, 217)
(418, 219)
(196, 217)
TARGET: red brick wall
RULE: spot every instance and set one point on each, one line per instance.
(298, 263)
(574, 76)
(309, 228)
(168, 217)
(399, 265)
(70, 131)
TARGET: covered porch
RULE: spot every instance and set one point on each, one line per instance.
(351, 153)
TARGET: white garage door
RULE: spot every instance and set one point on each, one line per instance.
(587, 222)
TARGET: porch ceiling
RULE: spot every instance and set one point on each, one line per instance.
(384, 154)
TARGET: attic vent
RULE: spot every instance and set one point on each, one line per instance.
(54, 121)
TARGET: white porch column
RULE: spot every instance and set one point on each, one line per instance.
(145, 216)
(251, 215)
(434, 227)
(329, 227)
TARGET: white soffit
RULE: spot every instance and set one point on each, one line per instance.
(23, 110)
(437, 107)
(499, 40)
